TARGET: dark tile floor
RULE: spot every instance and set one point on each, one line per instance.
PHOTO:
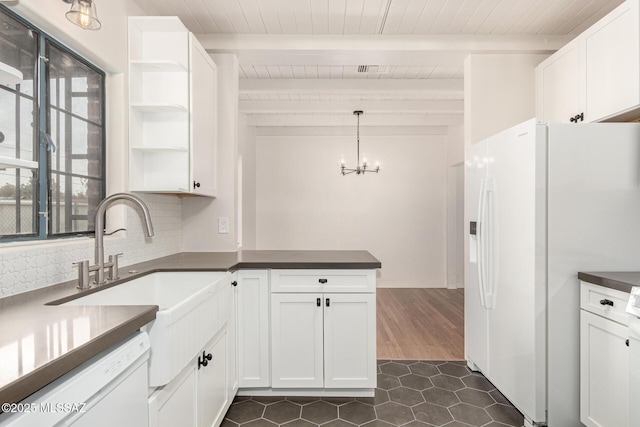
(409, 393)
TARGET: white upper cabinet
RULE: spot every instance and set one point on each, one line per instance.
(596, 76)
(203, 77)
(558, 86)
(172, 109)
(611, 63)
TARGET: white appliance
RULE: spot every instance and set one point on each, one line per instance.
(633, 307)
(542, 203)
(108, 390)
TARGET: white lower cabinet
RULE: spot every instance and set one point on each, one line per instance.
(307, 329)
(175, 404)
(253, 329)
(201, 394)
(604, 361)
(296, 335)
(349, 341)
(212, 382)
(323, 340)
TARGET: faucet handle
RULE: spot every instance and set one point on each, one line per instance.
(113, 268)
(83, 274)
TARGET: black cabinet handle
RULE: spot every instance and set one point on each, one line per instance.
(328, 302)
(577, 117)
(234, 283)
(606, 302)
(196, 184)
(322, 280)
(626, 342)
(204, 359)
(318, 302)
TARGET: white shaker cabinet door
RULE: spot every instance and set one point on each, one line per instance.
(175, 403)
(604, 372)
(349, 340)
(558, 86)
(296, 334)
(612, 63)
(203, 73)
(254, 361)
(212, 391)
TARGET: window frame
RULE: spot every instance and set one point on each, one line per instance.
(43, 221)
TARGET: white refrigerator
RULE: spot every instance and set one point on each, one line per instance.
(543, 202)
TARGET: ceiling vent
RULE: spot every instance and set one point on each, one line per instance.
(373, 69)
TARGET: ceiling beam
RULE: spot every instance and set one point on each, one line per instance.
(352, 86)
(391, 106)
(349, 50)
(234, 43)
(351, 131)
(348, 120)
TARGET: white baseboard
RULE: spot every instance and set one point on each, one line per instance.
(408, 284)
(455, 286)
(415, 284)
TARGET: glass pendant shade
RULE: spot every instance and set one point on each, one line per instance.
(83, 13)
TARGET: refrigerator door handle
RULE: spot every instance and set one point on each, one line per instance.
(480, 233)
(490, 258)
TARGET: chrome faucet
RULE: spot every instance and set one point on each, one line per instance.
(83, 266)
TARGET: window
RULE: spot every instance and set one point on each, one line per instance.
(52, 136)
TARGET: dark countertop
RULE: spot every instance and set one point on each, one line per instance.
(618, 280)
(41, 341)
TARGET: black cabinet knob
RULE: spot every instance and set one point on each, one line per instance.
(606, 302)
(577, 118)
(196, 184)
(234, 283)
(318, 302)
(204, 359)
(322, 280)
(626, 342)
(328, 302)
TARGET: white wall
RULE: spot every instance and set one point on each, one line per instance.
(499, 92)
(26, 266)
(399, 215)
(200, 215)
(455, 207)
(247, 149)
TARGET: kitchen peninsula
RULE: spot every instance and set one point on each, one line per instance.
(36, 313)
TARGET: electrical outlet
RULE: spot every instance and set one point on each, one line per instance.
(223, 225)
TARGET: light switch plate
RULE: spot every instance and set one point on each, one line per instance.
(223, 225)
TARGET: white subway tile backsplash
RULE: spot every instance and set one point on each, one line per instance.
(27, 267)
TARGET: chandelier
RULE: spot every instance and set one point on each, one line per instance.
(361, 168)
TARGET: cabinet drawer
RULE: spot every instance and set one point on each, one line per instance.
(598, 300)
(335, 281)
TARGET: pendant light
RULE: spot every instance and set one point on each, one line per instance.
(83, 13)
(361, 168)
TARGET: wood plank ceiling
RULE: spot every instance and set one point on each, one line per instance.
(322, 44)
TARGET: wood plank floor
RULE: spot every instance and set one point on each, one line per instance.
(420, 324)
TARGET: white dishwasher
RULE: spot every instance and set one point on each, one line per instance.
(108, 390)
(633, 307)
